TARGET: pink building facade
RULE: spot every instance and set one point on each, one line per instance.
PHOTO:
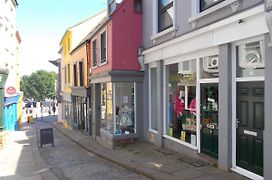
(115, 74)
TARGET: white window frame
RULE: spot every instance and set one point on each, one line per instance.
(156, 33)
(151, 66)
(106, 44)
(234, 96)
(94, 49)
(196, 14)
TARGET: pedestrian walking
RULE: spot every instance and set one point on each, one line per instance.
(54, 109)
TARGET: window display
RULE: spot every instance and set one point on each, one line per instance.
(125, 108)
(106, 107)
(181, 108)
(124, 102)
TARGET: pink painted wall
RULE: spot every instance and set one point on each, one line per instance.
(124, 37)
(127, 37)
(108, 66)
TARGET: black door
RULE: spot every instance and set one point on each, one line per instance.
(209, 119)
(250, 126)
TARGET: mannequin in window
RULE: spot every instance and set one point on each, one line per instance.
(180, 104)
(193, 106)
(179, 108)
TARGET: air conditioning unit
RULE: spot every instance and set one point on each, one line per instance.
(185, 67)
(213, 63)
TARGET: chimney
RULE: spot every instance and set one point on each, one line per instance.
(111, 6)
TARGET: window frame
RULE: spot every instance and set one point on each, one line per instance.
(155, 27)
(94, 52)
(69, 73)
(105, 60)
(162, 11)
(81, 72)
(202, 8)
(75, 74)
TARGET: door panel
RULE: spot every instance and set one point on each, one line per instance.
(243, 116)
(258, 115)
(209, 119)
(250, 113)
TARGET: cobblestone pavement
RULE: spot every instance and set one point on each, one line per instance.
(70, 161)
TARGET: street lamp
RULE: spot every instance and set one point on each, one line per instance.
(3, 78)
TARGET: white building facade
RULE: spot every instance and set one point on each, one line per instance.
(207, 72)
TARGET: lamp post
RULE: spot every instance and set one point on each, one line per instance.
(3, 78)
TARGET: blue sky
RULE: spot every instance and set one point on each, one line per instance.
(42, 24)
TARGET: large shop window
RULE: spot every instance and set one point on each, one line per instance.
(106, 107)
(120, 99)
(205, 4)
(124, 108)
(181, 106)
(250, 60)
(166, 14)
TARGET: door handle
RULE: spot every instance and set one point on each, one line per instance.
(237, 122)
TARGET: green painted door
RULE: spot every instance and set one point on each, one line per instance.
(250, 120)
(209, 119)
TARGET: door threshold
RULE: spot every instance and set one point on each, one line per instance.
(247, 173)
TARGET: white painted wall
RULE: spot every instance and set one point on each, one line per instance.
(80, 31)
(9, 43)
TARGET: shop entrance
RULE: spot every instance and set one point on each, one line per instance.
(209, 119)
(250, 126)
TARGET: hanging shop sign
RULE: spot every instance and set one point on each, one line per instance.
(11, 90)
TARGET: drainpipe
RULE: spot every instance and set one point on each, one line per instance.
(141, 58)
(3, 78)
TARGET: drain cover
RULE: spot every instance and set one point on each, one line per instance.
(165, 151)
(193, 161)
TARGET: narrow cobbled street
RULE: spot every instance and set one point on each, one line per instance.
(70, 161)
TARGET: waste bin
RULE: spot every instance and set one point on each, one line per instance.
(30, 119)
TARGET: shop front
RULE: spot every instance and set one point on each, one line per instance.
(81, 109)
(191, 93)
(118, 108)
(10, 113)
(67, 109)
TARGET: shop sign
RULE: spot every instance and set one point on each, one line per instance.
(268, 5)
(11, 90)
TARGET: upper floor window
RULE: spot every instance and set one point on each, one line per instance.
(75, 74)
(166, 14)
(138, 6)
(81, 75)
(205, 4)
(69, 73)
(94, 55)
(69, 45)
(103, 46)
